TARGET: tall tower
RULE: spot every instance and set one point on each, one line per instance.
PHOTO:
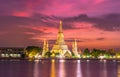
(45, 47)
(60, 37)
(74, 48)
(60, 46)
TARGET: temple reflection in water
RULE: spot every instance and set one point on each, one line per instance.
(59, 68)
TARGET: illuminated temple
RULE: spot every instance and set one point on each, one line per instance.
(60, 47)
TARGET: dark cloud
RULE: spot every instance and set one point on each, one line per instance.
(9, 6)
(15, 31)
(100, 38)
(109, 22)
(51, 41)
(74, 40)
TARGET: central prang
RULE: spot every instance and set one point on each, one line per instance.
(60, 47)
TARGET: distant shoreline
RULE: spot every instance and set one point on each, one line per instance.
(82, 59)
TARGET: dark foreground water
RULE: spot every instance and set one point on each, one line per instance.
(59, 68)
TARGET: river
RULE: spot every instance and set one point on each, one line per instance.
(59, 68)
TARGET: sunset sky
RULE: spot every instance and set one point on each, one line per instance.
(94, 23)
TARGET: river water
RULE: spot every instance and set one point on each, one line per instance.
(59, 68)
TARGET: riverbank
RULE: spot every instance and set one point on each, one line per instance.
(82, 59)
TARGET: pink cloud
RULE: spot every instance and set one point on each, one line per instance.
(21, 14)
(60, 8)
(3, 32)
(84, 25)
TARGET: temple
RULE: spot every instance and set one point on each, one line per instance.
(45, 47)
(60, 48)
(75, 49)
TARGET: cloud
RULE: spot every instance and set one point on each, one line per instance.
(58, 7)
(32, 30)
(28, 22)
(39, 23)
(109, 22)
(68, 40)
(100, 38)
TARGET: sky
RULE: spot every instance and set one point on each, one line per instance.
(93, 23)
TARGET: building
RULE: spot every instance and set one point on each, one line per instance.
(60, 49)
(9, 52)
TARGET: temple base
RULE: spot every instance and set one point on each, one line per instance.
(61, 51)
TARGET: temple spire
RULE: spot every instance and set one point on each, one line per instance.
(60, 27)
(45, 47)
(60, 37)
(60, 46)
(74, 48)
(75, 43)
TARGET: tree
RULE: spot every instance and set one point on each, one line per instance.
(86, 52)
(48, 54)
(31, 51)
(73, 55)
(95, 53)
(111, 52)
(118, 54)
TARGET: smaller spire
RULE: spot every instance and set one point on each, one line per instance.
(74, 48)
(60, 22)
(44, 42)
(75, 43)
(45, 47)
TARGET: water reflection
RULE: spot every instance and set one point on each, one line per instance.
(78, 71)
(36, 69)
(62, 72)
(118, 71)
(53, 70)
(29, 70)
(59, 68)
(88, 74)
(104, 70)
